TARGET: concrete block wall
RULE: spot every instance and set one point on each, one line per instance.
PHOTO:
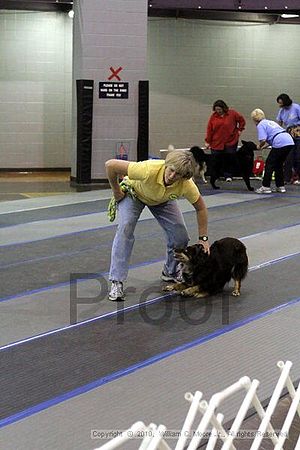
(192, 63)
(110, 33)
(35, 89)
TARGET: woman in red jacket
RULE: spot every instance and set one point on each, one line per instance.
(222, 136)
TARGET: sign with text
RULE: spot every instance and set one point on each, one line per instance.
(108, 89)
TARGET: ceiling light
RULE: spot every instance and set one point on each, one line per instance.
(240, 7)
(199, 7)
(71, 14)
(289, 16)
(286, 7)
(266, 7)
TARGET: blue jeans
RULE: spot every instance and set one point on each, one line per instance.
(170, 219)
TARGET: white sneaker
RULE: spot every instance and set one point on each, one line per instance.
(296, 182)
(280, 189)
(264, 190)
(229, 179)
(176, 278)
(116, 291)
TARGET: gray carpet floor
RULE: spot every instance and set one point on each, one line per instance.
(124, 364)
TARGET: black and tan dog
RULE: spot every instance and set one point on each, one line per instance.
(204, 274)
(294, 131)
(243, 160)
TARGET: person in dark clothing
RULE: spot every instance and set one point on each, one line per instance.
(270, 133)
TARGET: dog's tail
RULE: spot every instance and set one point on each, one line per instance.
(240, 269)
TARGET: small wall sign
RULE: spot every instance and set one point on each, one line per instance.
(108, 89)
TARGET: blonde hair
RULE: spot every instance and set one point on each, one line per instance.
(258, 115)
(182, 161)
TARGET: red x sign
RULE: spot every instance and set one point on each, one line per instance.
(115, 73)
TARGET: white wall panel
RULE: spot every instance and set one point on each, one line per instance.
(35, 89)
(192, 63)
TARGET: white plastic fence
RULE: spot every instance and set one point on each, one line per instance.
(210, 429)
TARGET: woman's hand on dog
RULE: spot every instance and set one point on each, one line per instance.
(205, 245)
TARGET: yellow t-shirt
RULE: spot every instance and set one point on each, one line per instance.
(147, 180)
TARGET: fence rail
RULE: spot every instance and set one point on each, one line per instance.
(210, 428)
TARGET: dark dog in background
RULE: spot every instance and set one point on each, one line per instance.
(205, 274)
(201, 160)
(244, 158)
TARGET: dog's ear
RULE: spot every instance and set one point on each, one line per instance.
(244, 142)
(200, 250)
